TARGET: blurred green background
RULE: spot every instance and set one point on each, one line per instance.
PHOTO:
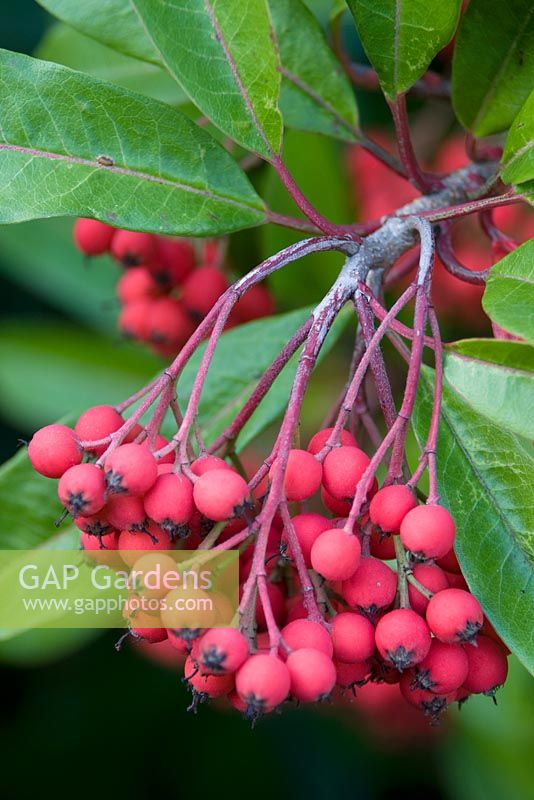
(76, 712)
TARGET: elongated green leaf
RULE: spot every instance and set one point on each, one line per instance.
(44, 646)
(41, 257)
(509, 296)
(485, 477)
(223, 55)
(496, 378)
(48, 370)
(64, 45)
(401, 37)
(115, 25)
(316, 95)
(160, 172)
(493, 67)
(518, 156)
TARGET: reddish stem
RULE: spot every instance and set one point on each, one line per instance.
(416, 176)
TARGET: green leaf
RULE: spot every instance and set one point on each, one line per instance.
(40, 256)
(496, 379)
(316, 95)
(401, 37)
(485, 477)
(66, 46)
(42, 646)
(116, 26)
(48, 370)
(168, 175)
(222, 53)
(509, 296)
(493, 66)
(518, 156)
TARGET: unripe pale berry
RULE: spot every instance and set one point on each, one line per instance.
(402, 638)
(443, 670)
(130, 469)
(372, 587)
(262, 683)
(313, 675)
(336, 554)
(220, 494)
(428, 531)
(92, 237)
(350, 675)
(342, 471)
(487, 667)
(302, 477)
(307, 528)
(54, 449)
(304, 633)
(202, 289)
(222, 650)
(432, 578)
(319, 440)
(126, 513)
(390, 505)
(454, 615)
(132, 249)
(169, 502)
(97, 423)
(353, 637)
(82, 490)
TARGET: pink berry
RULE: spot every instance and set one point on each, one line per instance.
(262, 683)
(132, 320)
(454, 615)
(350, 675)
(131, 543)
(307, 528)
(220, 494)
(402, 638)
(487, 667)
(302, 477)
(137, 284)
(202, 289)
(313, 675)
(443, 670)
(169, 502)
(372, 587)
(432, 578)
(342, 471)
(303, 633)
(353, 637)
(336, 554)
(428, 531)
(132, 249)
(130, 469)
(207, 463)
(211, 686)
(390, 505)
(319, 440)
(126, 513)
(222, 650)
(92, 237)
(54, 449)
(82, 489)
(431, 704)
(97, 423)
(256, 303)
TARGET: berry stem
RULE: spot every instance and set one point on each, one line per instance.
(416, 176)
(403, 570)
(307, 588)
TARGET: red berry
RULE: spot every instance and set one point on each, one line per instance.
(96, 525)
(97, 423)
(372, 587)
(82, 490)
(168, 324)
(54, 449)
(256, 303)
(449, 563)
(176, 260)
(222, 650)
(382, 545)
(207, 463)
(130, 469)
(108, 541)
(169, 502)
(278, 606)
(313, 675)
(433, 578)
(353, 637)
(202, 289)
(336, 554)
(92, 237)
(303, 476)
(220, 494)
(131, 248)
(487, 667)
(130, 543)
(126, 513)
(150, 635)
(402, 638)
(454, 615)
(349, 675)
(262, 683)
(318, 441)
(390, 505)
(307, 528)
(428, 531)
(339, 508)
(442, 670)
(431, 704)
(132, 320)
(303, 633)
(206, 685)
(342, 471)
(137, 284)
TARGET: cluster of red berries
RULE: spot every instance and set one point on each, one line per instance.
(163, 292)
(431, 639)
